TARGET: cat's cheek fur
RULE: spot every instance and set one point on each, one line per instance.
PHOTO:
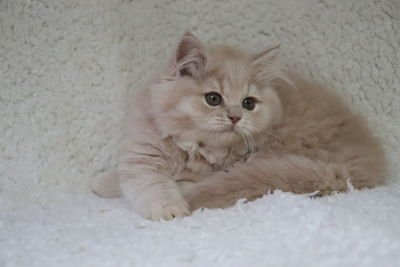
(192, 107)
(257, 121)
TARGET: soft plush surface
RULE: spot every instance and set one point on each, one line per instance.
(65, 71)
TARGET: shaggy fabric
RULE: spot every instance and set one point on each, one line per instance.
(65, 73)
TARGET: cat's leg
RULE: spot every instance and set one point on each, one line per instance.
(152, 193)
(105, 183)
(257, 177)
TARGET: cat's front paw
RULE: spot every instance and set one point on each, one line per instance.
(168, 211)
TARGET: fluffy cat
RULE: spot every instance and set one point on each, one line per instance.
(218, 124)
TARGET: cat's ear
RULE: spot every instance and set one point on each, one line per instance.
(189, 57)
(266, 57)
(267, 68)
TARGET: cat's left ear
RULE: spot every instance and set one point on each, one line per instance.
(267, 56)
(189, 57)
(267, 67)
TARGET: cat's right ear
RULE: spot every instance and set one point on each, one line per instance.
(189, 58)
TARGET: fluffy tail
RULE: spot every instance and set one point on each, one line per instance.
(105, 184)
(258, 177)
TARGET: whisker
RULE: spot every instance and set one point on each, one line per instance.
(249, 143)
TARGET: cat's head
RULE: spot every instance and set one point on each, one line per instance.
(216, 95)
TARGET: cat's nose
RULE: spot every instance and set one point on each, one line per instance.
(234, 119)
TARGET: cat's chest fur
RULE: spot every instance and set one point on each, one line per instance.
(204, 159)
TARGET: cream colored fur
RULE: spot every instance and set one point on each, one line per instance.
(180, 154)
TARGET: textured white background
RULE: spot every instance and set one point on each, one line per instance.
(65, 70)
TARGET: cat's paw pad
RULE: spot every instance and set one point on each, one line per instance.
(168, 211)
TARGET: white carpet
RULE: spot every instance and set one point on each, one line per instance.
(65, 67)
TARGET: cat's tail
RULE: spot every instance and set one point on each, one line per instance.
(290, 173)
(106, 184)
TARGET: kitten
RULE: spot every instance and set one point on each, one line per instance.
(218, 124)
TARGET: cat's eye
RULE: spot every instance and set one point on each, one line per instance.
(213, 98)
(249, 103)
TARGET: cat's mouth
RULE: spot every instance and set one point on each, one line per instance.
(229, 129)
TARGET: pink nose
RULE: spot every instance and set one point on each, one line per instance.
(234, 119)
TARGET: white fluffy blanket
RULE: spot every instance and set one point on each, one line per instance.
(65, 70)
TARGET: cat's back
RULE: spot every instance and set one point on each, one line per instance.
(317, 119)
